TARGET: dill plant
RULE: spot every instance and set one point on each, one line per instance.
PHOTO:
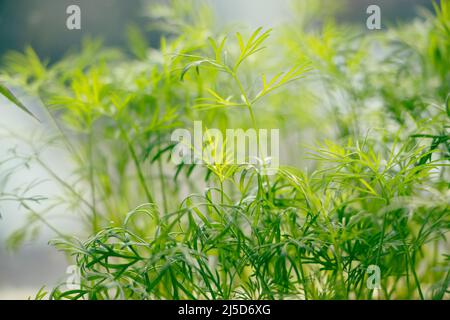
(368, 197)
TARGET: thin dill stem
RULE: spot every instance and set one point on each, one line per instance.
(221, 191)
(44, 221)
(163, 180)
(63, 183)
(66, 140)
(408, 286)
(337, 252)
(246, 101)
(252, 117)
(304, 280)
(380, 244)
(360, 289)
(444, 286)
(340, 270)
(163, 185)
(138, 166)
(91, 180)
(416, 278)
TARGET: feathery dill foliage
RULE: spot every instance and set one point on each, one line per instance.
(374, 191)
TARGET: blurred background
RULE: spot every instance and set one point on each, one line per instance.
(42, 25)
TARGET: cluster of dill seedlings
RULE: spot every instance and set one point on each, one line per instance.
(363, 182)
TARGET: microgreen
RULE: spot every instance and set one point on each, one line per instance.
(372, 189)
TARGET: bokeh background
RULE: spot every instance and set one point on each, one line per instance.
(42, 25)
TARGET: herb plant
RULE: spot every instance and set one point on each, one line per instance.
(371, 189)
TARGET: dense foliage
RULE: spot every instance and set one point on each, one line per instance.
(364, 120)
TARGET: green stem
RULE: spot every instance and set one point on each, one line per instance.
(92, 183)
(138, 166)
(63, 183)
(221, 191)
(163, 182)
(380, 246)
(44, 221)
(304, 279)
(416, 278)
(248, 103)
